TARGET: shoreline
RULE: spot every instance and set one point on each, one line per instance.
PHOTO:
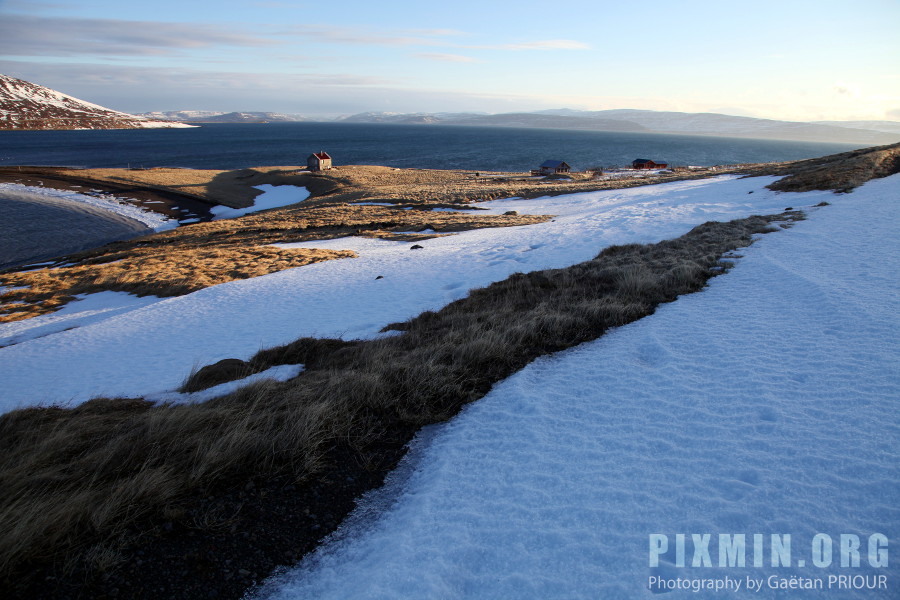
(169, 203)
(42, 227)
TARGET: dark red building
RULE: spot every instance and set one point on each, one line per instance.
(646, 163)
(318, 161)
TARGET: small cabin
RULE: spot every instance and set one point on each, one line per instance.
(646, 163)
(551, 167)
(319, 161)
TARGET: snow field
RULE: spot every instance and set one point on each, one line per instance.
(768, 403)
(86, 309)
(152, 349)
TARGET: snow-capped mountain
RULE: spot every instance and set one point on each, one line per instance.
(650, 121)
(26, 105)
(204, 116)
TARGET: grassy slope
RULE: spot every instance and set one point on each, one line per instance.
(839, 172)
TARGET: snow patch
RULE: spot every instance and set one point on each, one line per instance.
(277, 373)
(273, 196)
(84, 310)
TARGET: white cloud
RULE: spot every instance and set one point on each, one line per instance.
(350, 35)
(438, 32)
(59, 36)
(847, 90)
(448, 58)
(418, 37)
(542, 45)
(143, 89)
(32, 6)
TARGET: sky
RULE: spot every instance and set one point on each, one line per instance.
(786, 59)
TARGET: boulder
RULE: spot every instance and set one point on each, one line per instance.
(228, 369)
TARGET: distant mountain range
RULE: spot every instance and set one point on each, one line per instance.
(650, 121)
(885, 126)
(541, 120)
(202, 116)
(26, 105)
(622, 120)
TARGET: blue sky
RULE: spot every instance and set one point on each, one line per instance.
(799, 60)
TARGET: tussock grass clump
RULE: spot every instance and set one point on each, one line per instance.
(79, 487)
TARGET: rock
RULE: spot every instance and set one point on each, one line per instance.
(227, 369)
(379, 277)
(511, 213)
(416, 247)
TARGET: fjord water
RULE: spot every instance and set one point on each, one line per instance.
(233, 146)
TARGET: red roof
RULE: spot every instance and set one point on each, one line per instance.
(322, 155)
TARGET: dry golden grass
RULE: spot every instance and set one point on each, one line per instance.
(75, 484)
(189, 258)
(449, 187)
(194, 182)
(148, 271)
(350, 183)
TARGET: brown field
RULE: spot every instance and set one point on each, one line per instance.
(195, 256)
(351, 183)
(192, 257)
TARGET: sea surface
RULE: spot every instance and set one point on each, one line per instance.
(233, 146)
